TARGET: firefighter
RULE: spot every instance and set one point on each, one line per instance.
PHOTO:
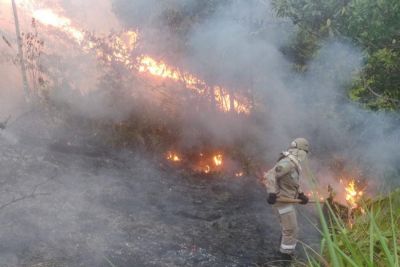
(284, 182)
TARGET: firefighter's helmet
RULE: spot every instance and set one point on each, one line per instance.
(300, 143)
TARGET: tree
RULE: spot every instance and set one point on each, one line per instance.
(20, 51)
(372, 25)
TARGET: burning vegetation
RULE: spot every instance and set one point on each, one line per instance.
(209, 163)
(353, 194)
(173, 156)
(123, 59)
(121, 49)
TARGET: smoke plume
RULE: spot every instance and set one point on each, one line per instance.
(230, 43)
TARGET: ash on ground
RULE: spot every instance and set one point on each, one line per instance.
(70, 203)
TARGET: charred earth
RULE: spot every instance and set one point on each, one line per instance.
(68, 201)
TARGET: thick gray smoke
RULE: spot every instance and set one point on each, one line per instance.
(235, 44)
(238, 44)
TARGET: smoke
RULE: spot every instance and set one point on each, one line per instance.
(235, 44)
(69, 208)
(238, 45)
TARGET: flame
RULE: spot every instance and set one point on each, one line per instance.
(122, 47)
(217, 160)
(208, 163)
(172, 156)
(49, 18)
(352, 195)
(146, 64)
(223, 99)
(206, 169)
(239, 174)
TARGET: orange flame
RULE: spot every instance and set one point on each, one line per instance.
(206, 169)
(239, 174)
(172, 156)
(352, 195)
(162, 70)
(217, 160)
(222, 98)
(49, 18)
(122, 47)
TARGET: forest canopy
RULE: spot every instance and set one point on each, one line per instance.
(372, 25)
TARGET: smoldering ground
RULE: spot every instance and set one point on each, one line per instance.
(68, 203)
(82, 202)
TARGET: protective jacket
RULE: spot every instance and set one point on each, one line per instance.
(284, 178)
(288, 177)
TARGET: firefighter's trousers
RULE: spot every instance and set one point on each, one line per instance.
(289, 227)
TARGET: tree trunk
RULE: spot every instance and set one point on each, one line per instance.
(20, 52)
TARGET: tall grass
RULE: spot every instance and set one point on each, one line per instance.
(372, 238)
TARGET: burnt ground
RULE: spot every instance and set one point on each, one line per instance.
(64, 204)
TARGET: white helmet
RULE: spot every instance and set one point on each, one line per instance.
(300, 143)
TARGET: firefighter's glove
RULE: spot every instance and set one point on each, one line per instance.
(303, 198)
(271, 198)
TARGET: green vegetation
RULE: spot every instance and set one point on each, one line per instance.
(372, 25)
(372, 238)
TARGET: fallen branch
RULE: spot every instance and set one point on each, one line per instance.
(295, 201)
(15, 200)
(32, 194)
(6, 41)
